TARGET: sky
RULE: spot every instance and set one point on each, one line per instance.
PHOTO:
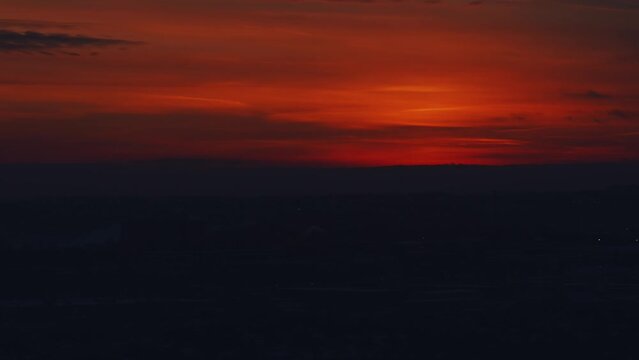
(320, 82)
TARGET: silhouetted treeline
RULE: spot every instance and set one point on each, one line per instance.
(208, 178)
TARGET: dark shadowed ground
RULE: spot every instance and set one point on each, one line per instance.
(443, 275)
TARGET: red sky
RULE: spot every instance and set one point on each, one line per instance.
(320, 82)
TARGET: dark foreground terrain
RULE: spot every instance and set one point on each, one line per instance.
(441, 276)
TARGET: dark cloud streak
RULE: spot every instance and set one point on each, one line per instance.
(589, 95)
(37, 42)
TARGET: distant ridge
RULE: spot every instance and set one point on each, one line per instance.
(211, 178)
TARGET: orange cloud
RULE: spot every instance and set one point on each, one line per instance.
(321, 81)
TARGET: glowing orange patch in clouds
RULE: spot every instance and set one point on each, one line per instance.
(319, 82)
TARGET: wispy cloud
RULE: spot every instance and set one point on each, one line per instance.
(589, 95)
(43, 43)
(598, 4)
(25, 24)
